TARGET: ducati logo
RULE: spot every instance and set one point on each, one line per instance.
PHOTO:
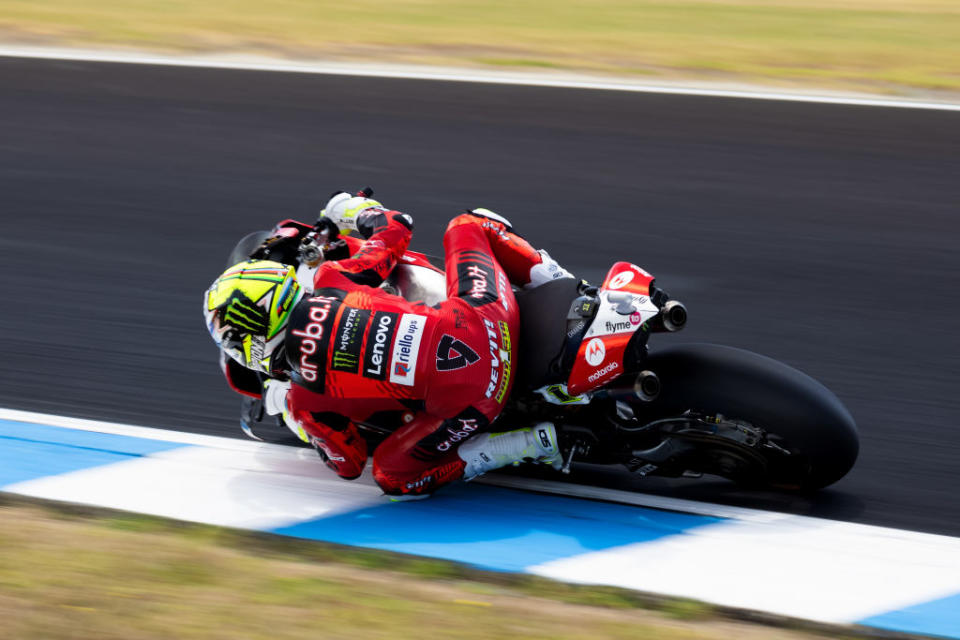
(596, 352)
(453, 354)
(620, 280)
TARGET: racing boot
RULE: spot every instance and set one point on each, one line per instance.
(547, 270)
(486, 452)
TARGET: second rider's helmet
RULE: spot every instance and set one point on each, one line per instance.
(247, 309)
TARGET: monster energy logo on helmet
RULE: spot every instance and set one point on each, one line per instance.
(247, 309)
(242, 313)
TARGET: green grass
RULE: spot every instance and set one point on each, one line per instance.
(74, 572)
(877, 45)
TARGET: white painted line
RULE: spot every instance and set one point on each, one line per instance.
(147, 433)
(565, 81)
(263, 488)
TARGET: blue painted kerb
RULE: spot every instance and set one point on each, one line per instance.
(29, 451)
(935, 618)
(498, 529)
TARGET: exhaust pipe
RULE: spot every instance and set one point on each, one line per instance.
(647, 386)
(674, 315)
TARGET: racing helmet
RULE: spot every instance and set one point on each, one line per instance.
(247, 309)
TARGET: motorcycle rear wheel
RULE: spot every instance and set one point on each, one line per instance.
(798, 413)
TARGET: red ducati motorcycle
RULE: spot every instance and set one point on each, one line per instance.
(585, 363)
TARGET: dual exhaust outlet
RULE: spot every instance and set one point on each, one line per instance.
(646, 386)
(673, 317)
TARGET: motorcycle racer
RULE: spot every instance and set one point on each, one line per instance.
(349, 349)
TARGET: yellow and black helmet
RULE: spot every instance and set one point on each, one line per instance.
(247, 309)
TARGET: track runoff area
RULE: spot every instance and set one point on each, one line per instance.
(793, 566)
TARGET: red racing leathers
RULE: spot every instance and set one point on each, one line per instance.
(355, 350)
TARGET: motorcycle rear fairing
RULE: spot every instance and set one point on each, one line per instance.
(623, 306)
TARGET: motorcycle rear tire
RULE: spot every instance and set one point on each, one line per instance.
(806, 417)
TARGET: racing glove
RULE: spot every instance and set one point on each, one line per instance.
(343, 451)
(360, 213)
(344, 210)
(335, 437)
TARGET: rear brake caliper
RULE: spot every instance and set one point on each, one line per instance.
(741, 432)
(734, 430)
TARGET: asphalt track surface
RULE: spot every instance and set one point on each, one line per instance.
(821, 235)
